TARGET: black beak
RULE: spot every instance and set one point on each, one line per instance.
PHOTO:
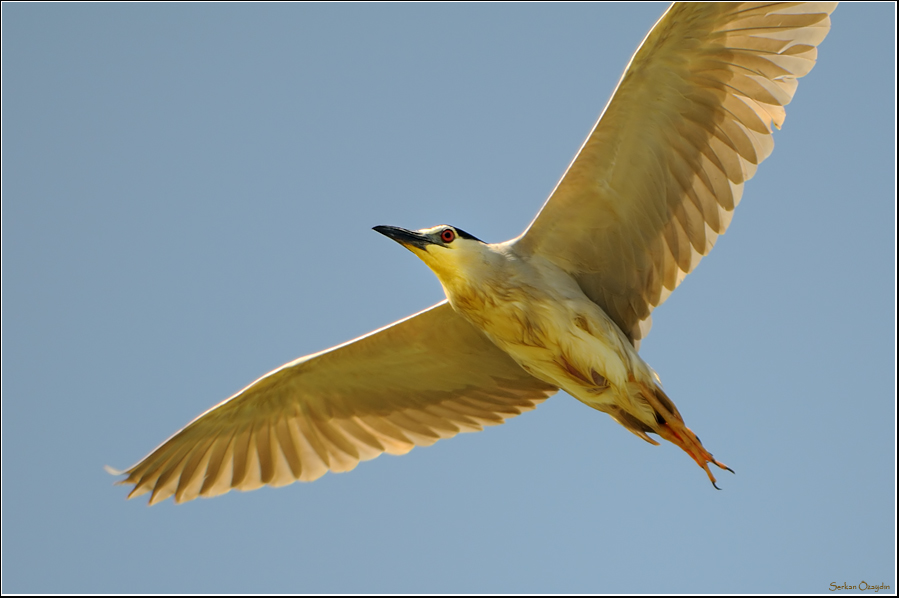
(406, 238)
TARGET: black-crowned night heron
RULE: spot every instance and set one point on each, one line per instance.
(562, 306)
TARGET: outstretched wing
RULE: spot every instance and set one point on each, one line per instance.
(427, 377)
(657, 179)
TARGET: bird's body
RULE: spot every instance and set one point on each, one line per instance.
(536, 313)
(562, 306)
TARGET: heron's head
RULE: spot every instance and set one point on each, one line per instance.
(450, 252)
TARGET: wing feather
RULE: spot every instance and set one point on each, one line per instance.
(658, 178)
(388, 391)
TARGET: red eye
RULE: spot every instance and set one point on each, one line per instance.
(448, 235)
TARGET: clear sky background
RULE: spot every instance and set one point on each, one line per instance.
(188, 196)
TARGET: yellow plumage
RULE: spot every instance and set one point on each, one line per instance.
(564, 305)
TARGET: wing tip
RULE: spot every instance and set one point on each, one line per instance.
(113, 471)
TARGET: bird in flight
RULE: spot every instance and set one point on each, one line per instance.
(563, 305)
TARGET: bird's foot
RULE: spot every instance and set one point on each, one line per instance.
(679, 434)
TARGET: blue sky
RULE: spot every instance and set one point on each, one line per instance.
(188, 196)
